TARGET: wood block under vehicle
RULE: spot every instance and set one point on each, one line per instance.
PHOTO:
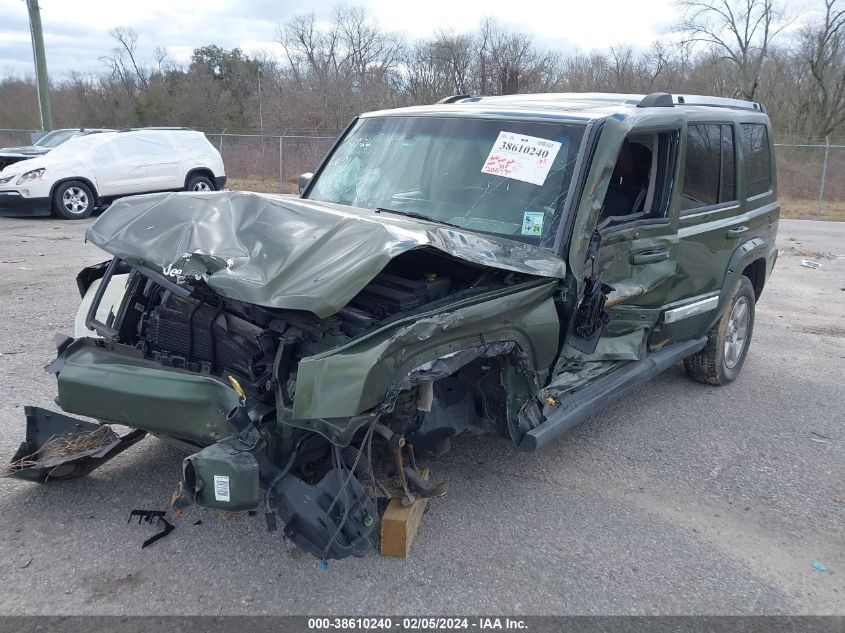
(399, 525)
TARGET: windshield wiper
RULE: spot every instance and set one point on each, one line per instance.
(415, 215)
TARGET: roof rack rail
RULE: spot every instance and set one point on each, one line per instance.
(161, 127)
(453, 98)
(720, 102)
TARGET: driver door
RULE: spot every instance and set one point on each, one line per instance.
(638, 248)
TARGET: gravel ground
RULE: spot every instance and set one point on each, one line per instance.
(681, 499)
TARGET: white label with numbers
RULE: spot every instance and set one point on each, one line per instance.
(520, 157)
(221, 488)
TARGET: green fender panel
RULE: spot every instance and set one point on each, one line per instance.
(350, 380)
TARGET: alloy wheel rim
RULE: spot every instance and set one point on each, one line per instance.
(75, 200)
(201, 186)
(737, 333)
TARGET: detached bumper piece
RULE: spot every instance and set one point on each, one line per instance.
(60, 447)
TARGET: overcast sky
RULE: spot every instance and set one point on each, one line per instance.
(76, 32)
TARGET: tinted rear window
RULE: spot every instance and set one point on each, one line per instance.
(709, 174)
(757, 168)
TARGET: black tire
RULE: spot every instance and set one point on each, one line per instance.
(198, 182)
(722, 358)
(73, 200)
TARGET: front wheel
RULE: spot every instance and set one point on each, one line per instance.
(199, 183)
(727, 342)
(73, 200)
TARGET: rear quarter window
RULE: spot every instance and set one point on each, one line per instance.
(757, 166)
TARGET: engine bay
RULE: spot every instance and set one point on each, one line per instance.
(206, 333)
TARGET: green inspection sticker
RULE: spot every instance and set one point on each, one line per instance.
(532, 223)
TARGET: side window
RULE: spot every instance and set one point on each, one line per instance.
(710, 167)
(641, 182)
(757, 168)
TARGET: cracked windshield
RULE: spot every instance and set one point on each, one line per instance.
(507, 178)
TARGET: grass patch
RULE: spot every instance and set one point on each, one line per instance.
(809, 210)
(260, 185)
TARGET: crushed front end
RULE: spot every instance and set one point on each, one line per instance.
(308, 418)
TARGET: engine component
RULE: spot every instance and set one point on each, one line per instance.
(187, 333)
(332, 519)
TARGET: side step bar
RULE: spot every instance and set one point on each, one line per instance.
(605, 390)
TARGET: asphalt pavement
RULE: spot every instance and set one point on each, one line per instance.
(679, 499)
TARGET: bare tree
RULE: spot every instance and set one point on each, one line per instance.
(310, 51)
(823, 49)
(440, 66)
(330, 71)
(740, 31)
(123, 63)
(370, 53)
(510, 61)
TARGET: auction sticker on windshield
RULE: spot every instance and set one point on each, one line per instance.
(520, 157)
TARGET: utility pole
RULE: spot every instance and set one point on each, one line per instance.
(260, 113)
(40, 65)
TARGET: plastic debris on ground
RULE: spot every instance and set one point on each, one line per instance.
(808, 263)
(148, 516)
(818, 566)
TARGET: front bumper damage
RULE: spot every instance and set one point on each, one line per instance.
(233, 468)
(332, 519)
(60, 447)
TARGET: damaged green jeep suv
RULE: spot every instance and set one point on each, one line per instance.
(486, 264)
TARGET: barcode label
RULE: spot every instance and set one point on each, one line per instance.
(221, 488)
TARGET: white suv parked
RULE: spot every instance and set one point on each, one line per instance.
(89, 171)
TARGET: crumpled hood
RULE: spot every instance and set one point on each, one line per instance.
(284, 252)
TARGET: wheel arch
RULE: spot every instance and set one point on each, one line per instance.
(200, 171)
(745, 258)
(756, 273)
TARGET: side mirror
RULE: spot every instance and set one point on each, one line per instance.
(304, 179)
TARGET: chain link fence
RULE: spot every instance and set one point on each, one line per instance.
(811, 175)
(269, 163)
(811, 180)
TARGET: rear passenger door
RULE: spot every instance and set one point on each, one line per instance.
(138, 163)
(714, 218)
